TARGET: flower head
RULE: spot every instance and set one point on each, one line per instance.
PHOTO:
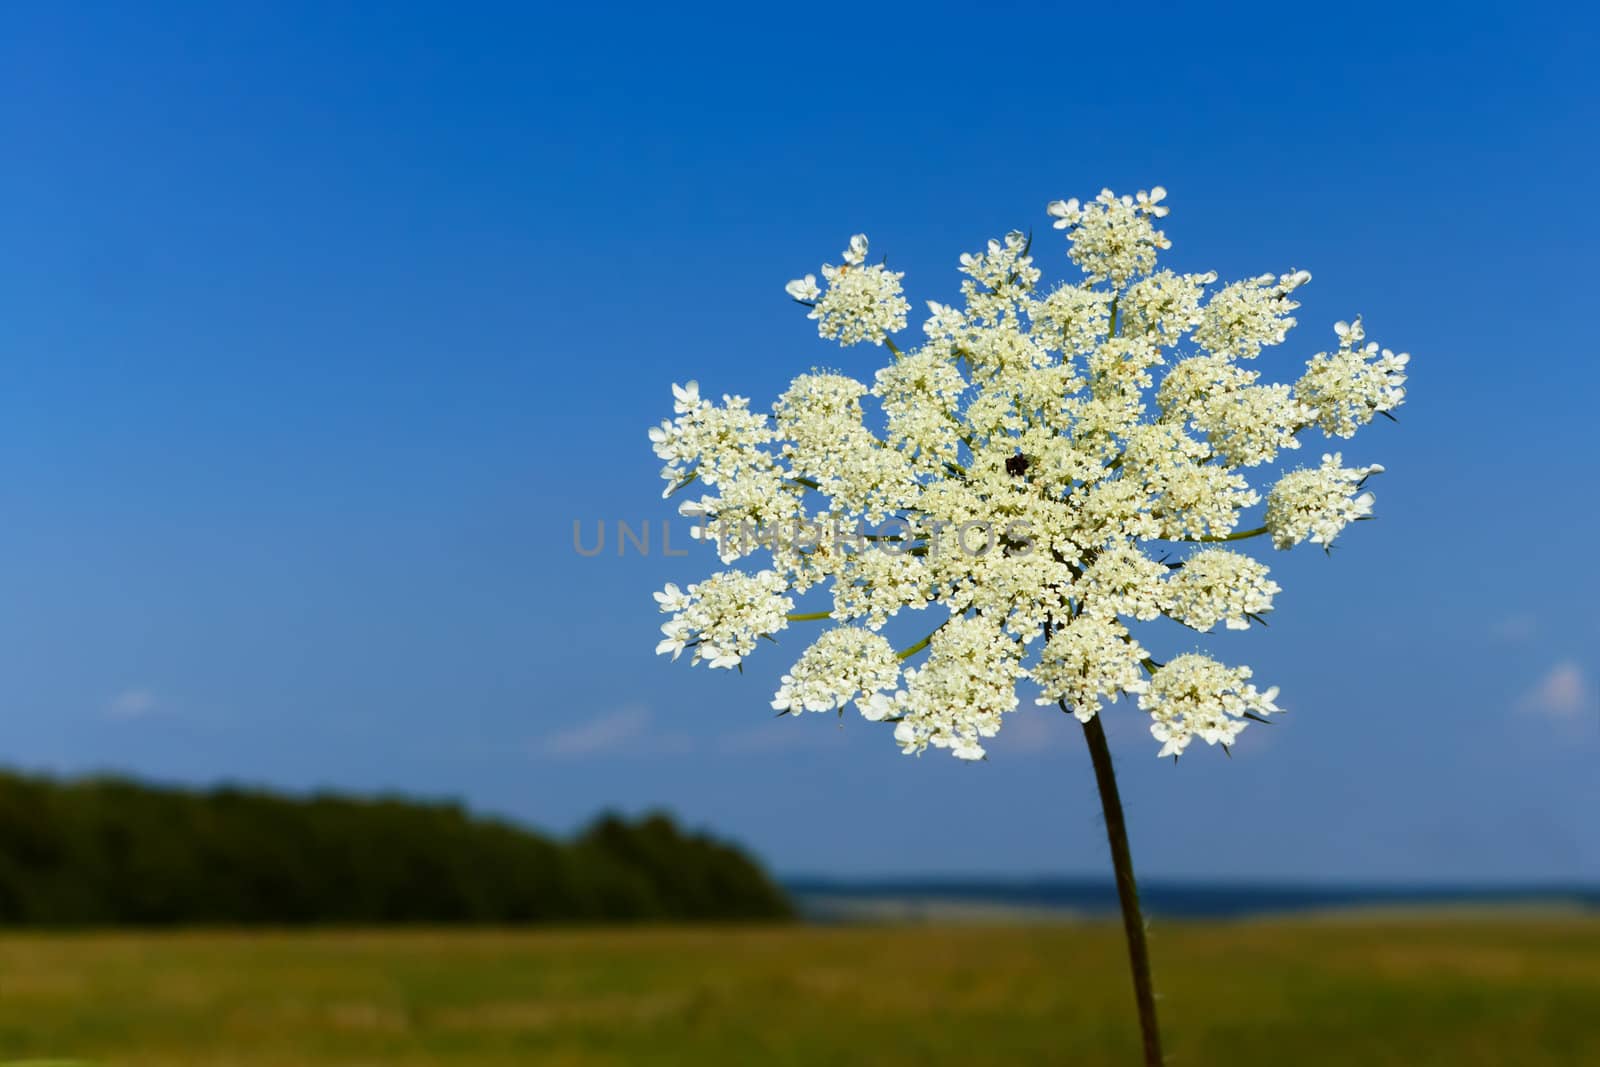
(1345, 389)
(846, 663)
(861, 303)
(1315, 504)
(721, 618)
(1050, 469)
(1195, 696)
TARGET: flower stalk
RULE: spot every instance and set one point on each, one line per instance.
(1127, 889)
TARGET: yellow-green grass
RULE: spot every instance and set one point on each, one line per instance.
(1519, 991)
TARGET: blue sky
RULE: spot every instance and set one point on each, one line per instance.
(320, 324)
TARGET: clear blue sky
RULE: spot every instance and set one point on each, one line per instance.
(319, 324)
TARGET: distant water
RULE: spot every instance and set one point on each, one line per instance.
(829, 900)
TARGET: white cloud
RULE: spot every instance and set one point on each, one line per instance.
(785, 733)
(131, 704)
(1565, 692)
(627, 730)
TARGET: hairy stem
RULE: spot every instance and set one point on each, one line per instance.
(1127, 889)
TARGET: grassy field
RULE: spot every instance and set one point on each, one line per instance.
(1373, 991)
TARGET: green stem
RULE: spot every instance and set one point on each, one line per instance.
(1240, 536)
(1127, 889)
(907, 653)
(808, 616)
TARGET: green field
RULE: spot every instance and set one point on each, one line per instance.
(1520, 991)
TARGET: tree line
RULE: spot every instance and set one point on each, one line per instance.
(115, 851)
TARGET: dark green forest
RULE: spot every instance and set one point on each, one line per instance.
(106, 851)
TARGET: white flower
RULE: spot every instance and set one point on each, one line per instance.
(1216, 585)
(1164, 305)
(685, 398)
(1072, 319)
(1001, 279)
(1089, 658)
(844, 664)
(672, 599)
(1244, 317)
(943, 320)
(712, 443)
(1195, 696)
(1065, 212)
(856, 254)
(1315, 504)
(1051, 466)
(1345, 389)
(861, 303)
(1111, 240)
(1122, 581)
(1150, 203)
(722, 617)
(970, 680)
(804, 289)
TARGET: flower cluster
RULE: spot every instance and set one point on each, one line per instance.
(1195, 696)
(846, 663)
(1088, 658)
(1215, 585)
(957, 698)
(1090, 447)
(1315, 504)
(722, 617)
(1113, 239)
(862, 301)
(1346, 388)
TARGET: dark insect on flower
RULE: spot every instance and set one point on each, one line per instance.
(1017, 465)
